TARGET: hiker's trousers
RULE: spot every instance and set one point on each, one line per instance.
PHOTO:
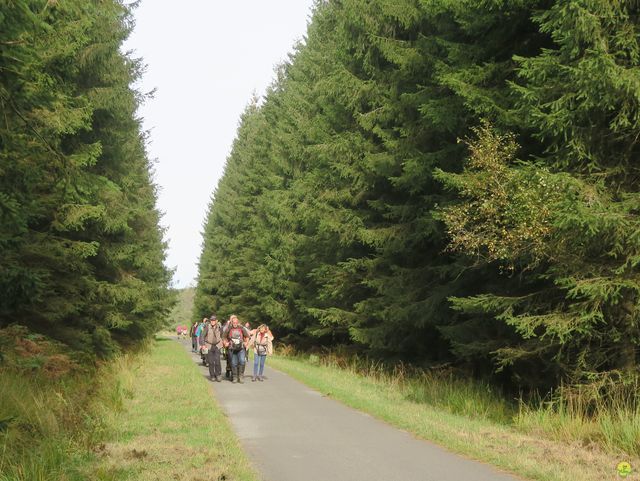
(213, 358)
(258, 364)
(237, 358)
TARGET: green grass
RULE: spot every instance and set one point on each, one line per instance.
(465, 417)
(145, 416)
(48, 426)
(605, 413)
(456, 395)
(171, 427)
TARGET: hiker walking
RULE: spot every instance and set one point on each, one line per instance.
(200, 341)
(235, 339)
(212, 337)
(194, 337)
(198, 333)
(226, 352)
(247, 325)
(262, 342)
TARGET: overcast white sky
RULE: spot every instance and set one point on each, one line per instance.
(205, 58)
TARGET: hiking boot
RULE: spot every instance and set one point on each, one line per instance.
(239, 372)
(260, 378)
(234, 377)
(253, 379)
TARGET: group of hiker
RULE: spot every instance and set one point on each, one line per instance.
(233, 342)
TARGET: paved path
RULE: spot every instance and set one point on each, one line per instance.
(293, 433)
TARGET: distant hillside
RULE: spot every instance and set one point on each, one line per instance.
(181, 313)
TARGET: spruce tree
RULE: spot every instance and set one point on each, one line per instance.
(81, 251)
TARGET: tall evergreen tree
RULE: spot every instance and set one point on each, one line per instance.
(81, 252)
(569, 219)
(347, 215)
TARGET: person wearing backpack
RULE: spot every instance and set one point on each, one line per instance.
(262, 342)
(235, 339)
(226, 353)
(212, 337)
(194, 338)
(200, 341)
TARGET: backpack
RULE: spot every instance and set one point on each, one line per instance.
(261, 349)
(236, 335)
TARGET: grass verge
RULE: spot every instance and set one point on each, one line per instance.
(171, 427)
(51, 408)
(47, 427)
(148, 415)
(469, 431)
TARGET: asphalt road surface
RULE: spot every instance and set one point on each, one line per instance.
(293, 433)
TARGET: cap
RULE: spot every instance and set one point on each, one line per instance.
(213, 318)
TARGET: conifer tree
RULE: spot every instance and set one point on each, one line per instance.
(568, 220)
(351, 212)
(81, 251)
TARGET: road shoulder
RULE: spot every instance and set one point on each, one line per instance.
(525, 456)
(170, 426)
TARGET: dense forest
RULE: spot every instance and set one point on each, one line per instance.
(180, 315)
(81, 250)
(442, 181)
